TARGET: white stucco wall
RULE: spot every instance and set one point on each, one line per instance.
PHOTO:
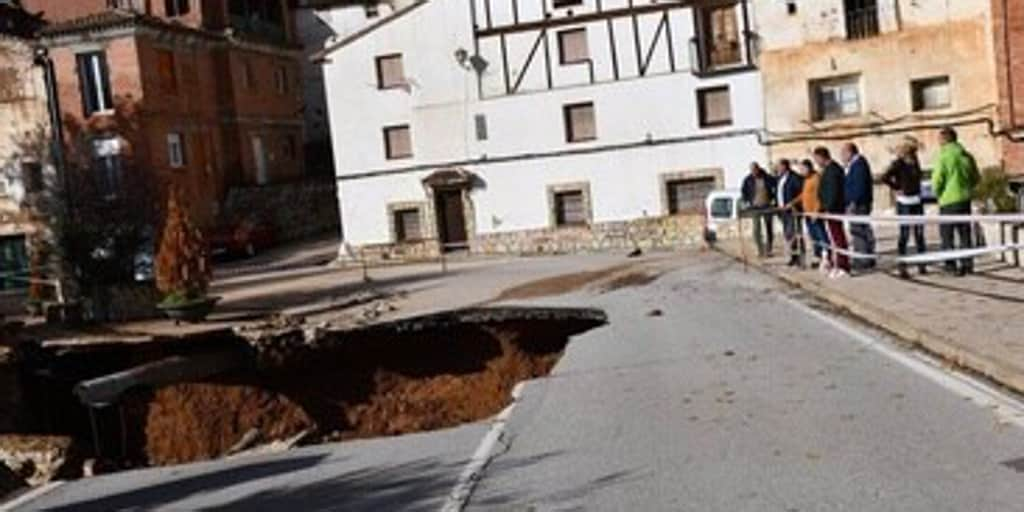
(526, 150)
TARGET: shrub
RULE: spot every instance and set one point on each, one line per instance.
(182, 263)
(994, 191)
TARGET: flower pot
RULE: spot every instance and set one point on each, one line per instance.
(193, 311)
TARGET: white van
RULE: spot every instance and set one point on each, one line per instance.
(722, 208)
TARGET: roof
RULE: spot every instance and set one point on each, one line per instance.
(119, 18)
(366, 31)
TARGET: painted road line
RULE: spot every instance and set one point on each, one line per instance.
(1007, 408)
(484, 454)
(23, 499)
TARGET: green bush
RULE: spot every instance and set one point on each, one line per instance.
(994, 191)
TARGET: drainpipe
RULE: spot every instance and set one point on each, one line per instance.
(41, 58)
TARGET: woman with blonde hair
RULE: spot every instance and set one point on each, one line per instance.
(904, 177)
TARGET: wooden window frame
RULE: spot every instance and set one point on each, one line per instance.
(702, 110)
(389, 153)
(378, 61)
(562, 57)
(570, 134)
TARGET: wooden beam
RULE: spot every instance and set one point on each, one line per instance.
(106, 390)
(584, 18)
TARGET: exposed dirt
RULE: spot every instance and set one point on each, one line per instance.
(630, 280)
(377, 385)
(558, 285)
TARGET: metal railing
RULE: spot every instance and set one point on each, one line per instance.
(862, 23)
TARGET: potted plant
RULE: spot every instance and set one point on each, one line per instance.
(182, 267)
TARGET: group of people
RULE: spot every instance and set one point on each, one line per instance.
(822, 185)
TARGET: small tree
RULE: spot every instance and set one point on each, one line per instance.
(182, 264)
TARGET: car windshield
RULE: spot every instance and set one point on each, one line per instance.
(721, 208)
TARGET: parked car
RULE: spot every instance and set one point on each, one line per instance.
(245, 238)
(721, 207)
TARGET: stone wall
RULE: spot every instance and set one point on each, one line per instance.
(297, 210)
(667, 233)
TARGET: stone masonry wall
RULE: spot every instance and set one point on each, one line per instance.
(666, 233)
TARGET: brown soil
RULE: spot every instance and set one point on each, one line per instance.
(557, 285)
(632, 279)
(379, 384)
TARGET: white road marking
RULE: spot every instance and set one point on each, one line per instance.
(458, 498)
(30, 495)
(1007, 408)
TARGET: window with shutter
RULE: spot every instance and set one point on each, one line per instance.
(166, 71)
(714, 107)
(835, 98)
(397, 142)
(930, 93)
(572, 46)
(580, 123)
(94, 82)
(407, 225)
(570, 208)
(174, 8)
(720, 36)
(390, 72)
(687, 195)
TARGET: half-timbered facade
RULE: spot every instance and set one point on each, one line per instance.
(539, 125)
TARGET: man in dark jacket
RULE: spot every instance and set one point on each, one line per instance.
(831, 193)
(859, 195)
(759, 196)
(790, 185)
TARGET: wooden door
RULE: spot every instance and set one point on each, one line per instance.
(451, 218)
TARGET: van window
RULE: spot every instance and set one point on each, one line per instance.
(721, 208)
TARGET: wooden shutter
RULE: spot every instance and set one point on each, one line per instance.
(570, 208)
(687, 195)
(407, 225)
(572, 46)
(580, 122)
(390, 72)
(714, 106)
(398, 142)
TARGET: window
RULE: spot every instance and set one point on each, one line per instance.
(480, 122)
(290, 146)
(861, 18)
(714, 107)
(32, 177)
(166, 71)
(719, 37)
(371, 10)
(687, 195)
(176, 7)
(107, 163)
(835, 98)
(94, 81)
(14, 267)
(570, 208)
(580, 125)
(176, 150)
(930, 93)
(721, 208)
(397, 142)
(281, 79)
(390, 72)
(407, 225)
(565, 3)
(572, 46)
(248, 80)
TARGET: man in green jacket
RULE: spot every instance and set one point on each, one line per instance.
(953, 179)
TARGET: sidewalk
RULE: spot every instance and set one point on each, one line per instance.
(976, 322)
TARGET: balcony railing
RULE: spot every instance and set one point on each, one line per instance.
(862, 23)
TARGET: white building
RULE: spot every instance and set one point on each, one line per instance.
(539, 125)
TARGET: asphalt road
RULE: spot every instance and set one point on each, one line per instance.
(735, 398)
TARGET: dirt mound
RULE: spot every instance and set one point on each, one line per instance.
(557, 285)
(380, 383)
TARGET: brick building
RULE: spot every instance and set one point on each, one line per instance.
(204, 94)
(1008, 27)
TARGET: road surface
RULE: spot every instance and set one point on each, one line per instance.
(736, 397)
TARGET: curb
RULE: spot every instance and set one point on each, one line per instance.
(934, 344)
